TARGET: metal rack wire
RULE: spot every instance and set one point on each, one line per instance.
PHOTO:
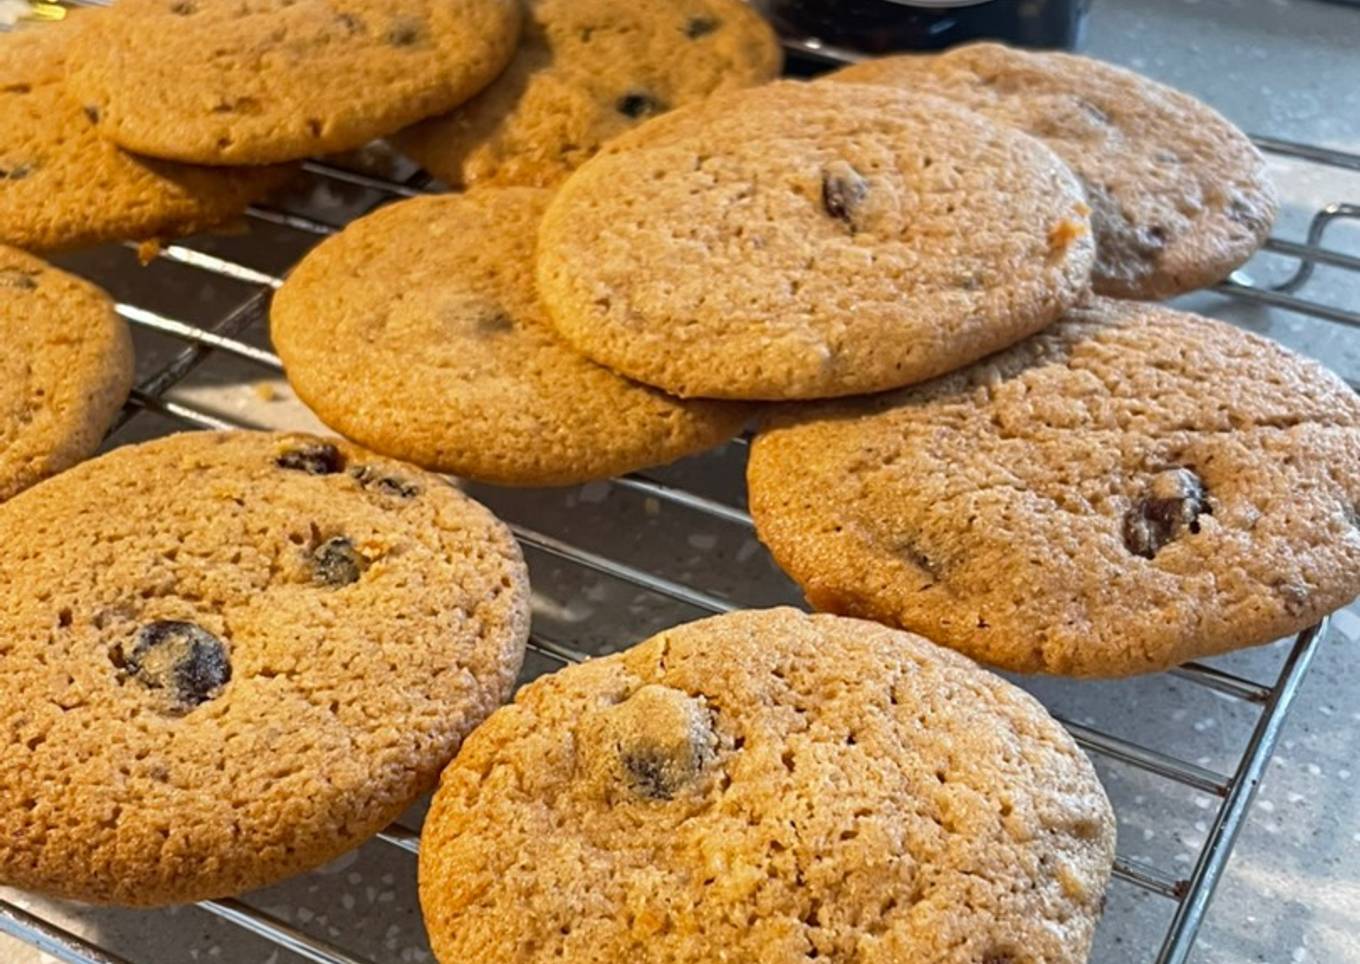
(1188, 894)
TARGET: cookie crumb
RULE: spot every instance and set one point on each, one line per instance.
(1064, 233)
(148, 251)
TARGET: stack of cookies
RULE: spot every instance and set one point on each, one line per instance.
(970, 231)
(917, 276)
(432, 304)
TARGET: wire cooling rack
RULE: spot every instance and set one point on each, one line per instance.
(235, 337)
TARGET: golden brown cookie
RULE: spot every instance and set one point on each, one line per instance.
(803, 241)
(62, 186)
(65, 370)
(586, 71)
(417, 332)
(260, 81)
(1179, 196)
(1130, 489)
(228, 658)
(768, 786)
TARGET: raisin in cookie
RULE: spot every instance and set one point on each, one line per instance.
(227, 658)
(417, 332)
(259, 81)
(62, 186)
(803, 241)
(586, 71)
(1179, 196)
(1131, 489)
(768, 786)
(65, 370)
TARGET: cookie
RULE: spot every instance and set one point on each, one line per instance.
(228, 658)
(417, 332)
(1179, 196)
(275, 80)
(65, 370)
(804, 241)
(768, 786)
(1130, 489)
(62, 186)
(586, 71)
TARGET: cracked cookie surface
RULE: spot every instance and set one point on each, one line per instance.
(198, 698)
(417, 332)
(1179, 196)
(1130, 489)
(276, 80)
(804, 241)
(65, 370)
(63, 186)
(768, 786)
(586, 71)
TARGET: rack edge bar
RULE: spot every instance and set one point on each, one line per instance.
(51, 939)
(1307, 152)
(277, 932)
(1218, 847)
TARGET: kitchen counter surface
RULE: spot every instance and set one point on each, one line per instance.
(1287, 68)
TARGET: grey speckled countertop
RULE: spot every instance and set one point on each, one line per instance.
(1290, 68)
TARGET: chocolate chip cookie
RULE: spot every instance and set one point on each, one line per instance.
(1130, 489)
(260, 81)
(1179, 196)
(586, 71)
(768, 786)
(63, 186)
(65, 370)
(803, 241)
(227, 658)
(417, 332)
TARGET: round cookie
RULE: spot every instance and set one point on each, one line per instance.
(228, 658)
(65, 370)
(275, 80)
(586, 71)
(416, 331)
(804, 241)
(1179, 196)
(768, 786)
(63, 186)
(1130, 489)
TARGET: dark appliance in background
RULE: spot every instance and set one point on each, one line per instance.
(883, 26)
